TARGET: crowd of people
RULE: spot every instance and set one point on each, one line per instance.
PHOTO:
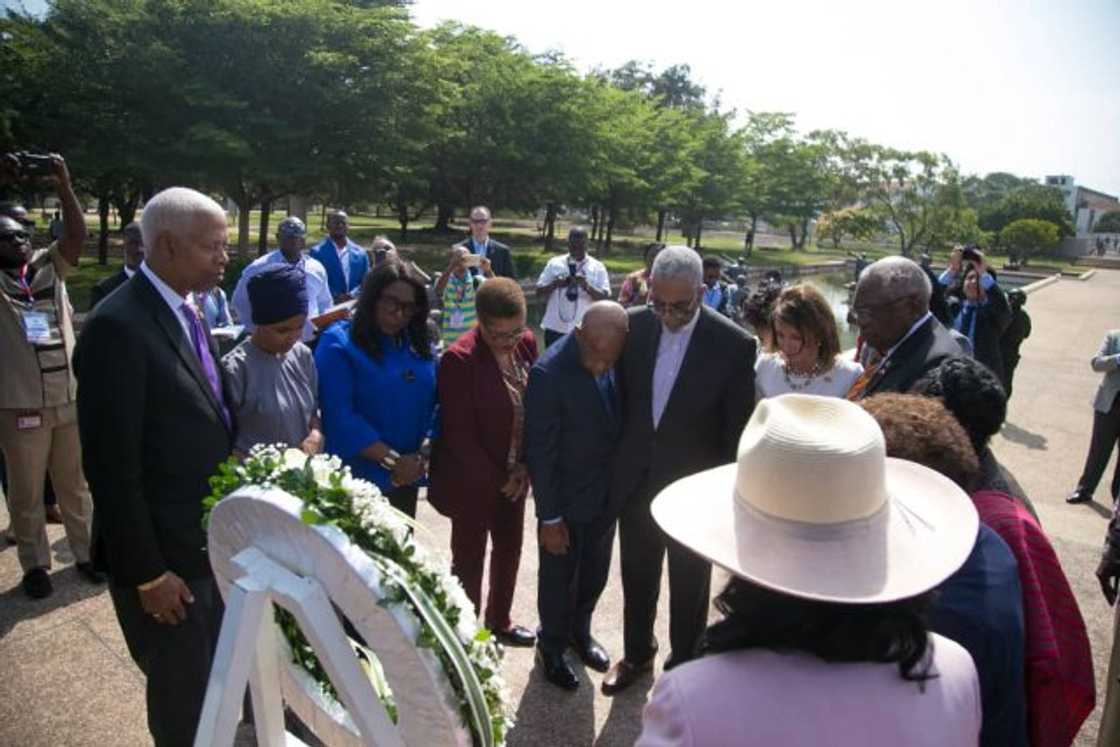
(916, 601)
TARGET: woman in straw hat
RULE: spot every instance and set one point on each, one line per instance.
(824, 638)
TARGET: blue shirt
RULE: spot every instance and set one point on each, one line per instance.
(981, 607)
(365, 400)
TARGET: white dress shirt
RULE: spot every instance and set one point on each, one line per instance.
(344, 259)
(173, 300)
(129, 272)
(318, 291)
(670, 355)
(562, 315)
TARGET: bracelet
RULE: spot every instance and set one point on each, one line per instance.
(153, 583)
(389, 461)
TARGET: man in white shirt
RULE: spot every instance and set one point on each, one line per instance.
(290, 236)
(571, 282)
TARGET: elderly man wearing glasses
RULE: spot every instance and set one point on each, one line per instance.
(891, 307)
(686, 378)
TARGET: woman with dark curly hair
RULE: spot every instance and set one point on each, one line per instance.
(756, 311)
(824, 639)
(377, 384)
(1060, 690)
(981, 605)
(808, 342)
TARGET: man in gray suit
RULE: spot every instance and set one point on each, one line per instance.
(1106, 422)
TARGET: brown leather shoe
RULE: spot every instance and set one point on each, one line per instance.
(54, 514)
(623, 674)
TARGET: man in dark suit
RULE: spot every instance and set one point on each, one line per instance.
(154, 427)
(480, 243)
(891, 307)
(571, 426)
(133, 256)
(687, 382)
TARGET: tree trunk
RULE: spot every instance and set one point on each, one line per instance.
(127, 202)
(444, 214)
(103, 229)
(612, 215)
(660, 223)
(244, 206)
(594, 223)
(549, 225)
(699, 231)
(262, 238)
(402, 218)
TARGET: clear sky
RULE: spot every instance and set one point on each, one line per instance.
(1026, 86)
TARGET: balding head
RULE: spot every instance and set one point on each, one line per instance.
(892, 294)
(185, 237)
(601, 335)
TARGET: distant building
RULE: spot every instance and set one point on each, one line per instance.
(1085, 205)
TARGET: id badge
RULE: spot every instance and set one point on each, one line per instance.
(36, 327)
(29, 421)
(456, 319)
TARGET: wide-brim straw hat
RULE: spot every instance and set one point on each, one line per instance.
(814, 508)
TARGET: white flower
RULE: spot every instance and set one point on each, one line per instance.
(294, 459)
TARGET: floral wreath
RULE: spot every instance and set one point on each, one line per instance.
(415, 581)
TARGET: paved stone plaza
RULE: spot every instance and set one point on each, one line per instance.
(67, 679)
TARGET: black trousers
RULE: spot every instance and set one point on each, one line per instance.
(643, 546)
(551, 336)
(404, 499)
(569, 585)
(175, 658)
(1106, 432)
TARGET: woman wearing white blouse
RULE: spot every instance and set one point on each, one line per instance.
(808, 357)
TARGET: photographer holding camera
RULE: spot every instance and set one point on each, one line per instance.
(571, 282)
(38, 417)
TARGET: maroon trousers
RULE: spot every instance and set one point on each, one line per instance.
(505, 527)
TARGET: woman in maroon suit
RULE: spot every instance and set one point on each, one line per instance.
(478, 473)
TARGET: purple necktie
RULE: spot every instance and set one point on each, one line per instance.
(202, 350)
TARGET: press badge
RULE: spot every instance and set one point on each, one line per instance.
(36, 327)
(456, 319)
(29, 421)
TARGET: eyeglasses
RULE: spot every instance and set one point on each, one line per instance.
(679, 309)
(19, 237)
(393, 306)
(512, 336)
(866, 312)
(480, 220)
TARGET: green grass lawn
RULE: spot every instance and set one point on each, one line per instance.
(430, 248)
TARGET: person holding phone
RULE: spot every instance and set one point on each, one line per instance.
(455, 291)
(481, 244)
(569, 284)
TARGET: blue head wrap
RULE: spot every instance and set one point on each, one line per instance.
(277, 293)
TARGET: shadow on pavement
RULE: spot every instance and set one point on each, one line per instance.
(69, 588)
(567, 717)
(624, 722)
(1017, 435)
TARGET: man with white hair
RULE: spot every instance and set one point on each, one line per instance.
(891, 307)
(154, 427)
(686, 377)
(290, 237)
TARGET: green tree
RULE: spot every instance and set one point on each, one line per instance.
(1027, 237)
(984, 193)
(904, 187)
(1028, 201)
(1108, 223)
(860, 224)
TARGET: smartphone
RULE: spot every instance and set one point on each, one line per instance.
(34, 164)
(472, 260)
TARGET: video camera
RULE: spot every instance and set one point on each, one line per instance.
(27, 164)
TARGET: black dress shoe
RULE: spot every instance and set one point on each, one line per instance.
(517, 636)
(1079, 496)
(89, 573)
(557, 670)
(592, 654)
(37, 584)
(623, 674)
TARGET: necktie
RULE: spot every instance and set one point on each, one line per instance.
(202, 350)
(968, 316)
(860, 384)
(606, 392)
